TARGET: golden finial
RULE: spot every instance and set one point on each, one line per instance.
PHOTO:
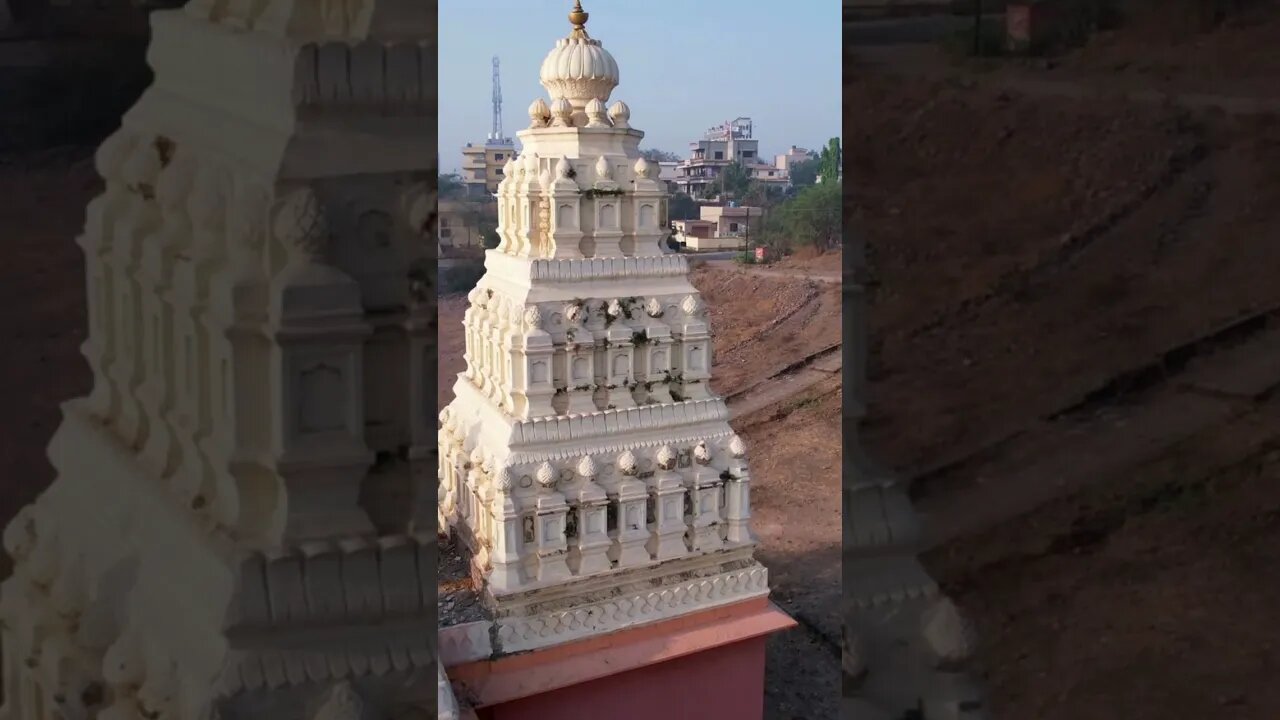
(578, 18)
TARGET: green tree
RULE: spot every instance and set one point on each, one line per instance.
(450, 186)
(805, 172)
(734, 180)
(763, 195)
(655, 155)
(682, 207)
(813, 218)
(829, 161)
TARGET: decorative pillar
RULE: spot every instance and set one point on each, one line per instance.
(657, 353)
(507, 574)
(647, 201)
(694, 343)
(537, 386)
(666, 506)
(551, 509)
(704, 490)
(738, 496)
(471, 491)
(318, 433)
(580, 360)
(632, 532)
(507, 241)
(97, 242)
(606, 201)
(239, 365)
(194, 478)
(593, 534)
(619, 357)
(158, 391)
(139, 221)
(566, 212)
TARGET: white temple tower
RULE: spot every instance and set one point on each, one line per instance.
(584, 461)
(235, 530)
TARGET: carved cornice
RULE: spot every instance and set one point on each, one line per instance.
(473, 641)
(351, 580)
(386, 78)
(587, 269)
(519, 634)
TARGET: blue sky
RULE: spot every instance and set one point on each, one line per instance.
(686, 65)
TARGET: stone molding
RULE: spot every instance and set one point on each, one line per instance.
(571, 270)
(608, 423)
(352, 580)
(466, 642)
(377, 654)
(387, 77)
(473, 641)
(530, 633)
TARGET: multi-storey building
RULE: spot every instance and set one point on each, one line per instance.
(482, 164)
(793, 155)
(721, 145)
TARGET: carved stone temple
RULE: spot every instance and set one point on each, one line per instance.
(585, 466)
(242, 525)
(905, 643)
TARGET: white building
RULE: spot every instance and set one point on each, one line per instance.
(793, 155)
(718, 227)
(699, 174)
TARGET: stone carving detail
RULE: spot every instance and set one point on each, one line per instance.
(620, 115)
(539, 116)
(596, 114)
(366, 76)
(521, 634)
(561, 113)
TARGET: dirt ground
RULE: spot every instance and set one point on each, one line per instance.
(1166, 45)
(1030, 252)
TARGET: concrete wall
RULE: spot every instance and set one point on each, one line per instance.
(693, 242)
(732, 675)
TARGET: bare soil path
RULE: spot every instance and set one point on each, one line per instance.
(767, 271)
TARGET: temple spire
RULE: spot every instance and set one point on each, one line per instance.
(578, 18)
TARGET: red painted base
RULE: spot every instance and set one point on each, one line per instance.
(723, 683)
(703, 666)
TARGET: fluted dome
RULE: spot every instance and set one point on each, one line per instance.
(579, 68)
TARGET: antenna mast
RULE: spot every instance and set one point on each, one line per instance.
(497, 102)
